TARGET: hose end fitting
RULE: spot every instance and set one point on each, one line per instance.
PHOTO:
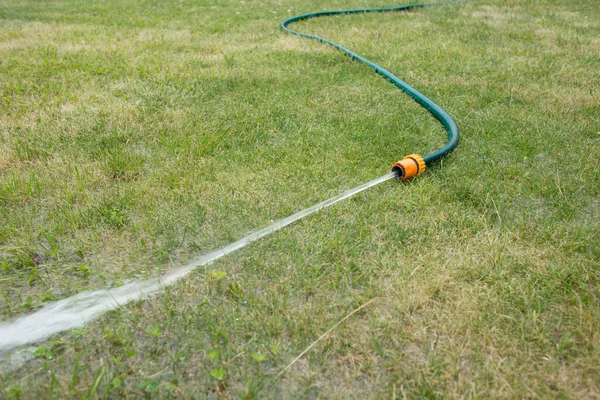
(410, 166)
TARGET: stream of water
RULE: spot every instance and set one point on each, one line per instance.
(78, 310)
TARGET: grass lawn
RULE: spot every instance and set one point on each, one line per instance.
(137, 135)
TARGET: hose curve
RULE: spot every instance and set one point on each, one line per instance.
(437, 111)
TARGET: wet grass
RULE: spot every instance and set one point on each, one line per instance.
(135, 136)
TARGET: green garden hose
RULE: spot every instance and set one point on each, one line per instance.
(413, 164)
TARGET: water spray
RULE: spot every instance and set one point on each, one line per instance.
(76, 311)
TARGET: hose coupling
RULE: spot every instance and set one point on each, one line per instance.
(410, 166)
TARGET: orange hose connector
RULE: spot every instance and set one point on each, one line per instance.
(410, 166)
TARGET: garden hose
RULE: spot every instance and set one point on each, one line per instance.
(411, 165)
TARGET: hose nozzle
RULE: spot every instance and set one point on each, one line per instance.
(410, 166)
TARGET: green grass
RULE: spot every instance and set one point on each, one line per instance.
(135, 136)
